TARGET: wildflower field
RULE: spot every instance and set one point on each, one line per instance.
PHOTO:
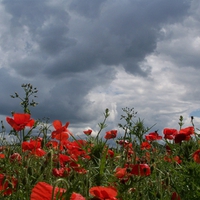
(142, 165)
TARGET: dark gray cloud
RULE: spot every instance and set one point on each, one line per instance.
(67, 97)
(69, 48)
(106, 33)
(87, 8)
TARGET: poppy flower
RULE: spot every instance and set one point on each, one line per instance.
(76, 196)
(52, 144)
(87, 132)
(184, 134)
(187, 131)
(175, 159)
(43, 191)
(196, 156)
(77, 168)
(2, 155)
(121, 172)
(167, 159)
(168, 149)
(7, 184)
(61, 136)
(102, 192)
(20, 121)
(61, 172)
(175, 196)
(75, 149)
(38, 152)
(110, 153)
(145, 145)
(61, 132)
(111, 134)
(15, 157)
(169, 133)
(122, 142)
(63, 159)
(2, 148)
(32, 144)
(141, 170)
(180, 137)
(153, 136)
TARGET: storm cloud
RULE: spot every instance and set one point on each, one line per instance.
(76, 53)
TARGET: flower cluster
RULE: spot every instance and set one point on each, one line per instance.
(64, 167)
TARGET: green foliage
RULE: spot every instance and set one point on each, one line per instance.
(133, 131)
(25, 101)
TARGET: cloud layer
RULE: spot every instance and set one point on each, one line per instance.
(87, 56)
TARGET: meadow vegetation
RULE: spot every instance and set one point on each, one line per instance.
(56, 164)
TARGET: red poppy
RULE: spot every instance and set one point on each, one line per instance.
(2, 155)
(43, 191)
(121, 172)
(187, 131)
(168, 149)
(141, 170)
(174, 159)
(75, 149)
(102, 193)
(88, 132)
(63, 159)
(184, 134)
(177, 159)
(77, 168)
(145, 145)
(110, 153)
(175, 196)
(180, 137)
(167, 159)
(61, 132)
(15, 157)
(38, 152)
(2, 148)
(52, 144)
(123, 142)
(7, 184)
(170, 133)
(111, 134)
(20, 121)
(76, 196)
(153, 136)
(196, 156)
(32, 144)
(61, 172)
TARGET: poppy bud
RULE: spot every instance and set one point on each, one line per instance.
(24, 181)
(29, 170)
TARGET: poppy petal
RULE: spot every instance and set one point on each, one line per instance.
(43, 191)
(76, 196)
(57, 124)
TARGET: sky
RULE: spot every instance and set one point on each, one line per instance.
(86, 56)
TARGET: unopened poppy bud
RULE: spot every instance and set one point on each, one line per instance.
(50, 154)
(24, 181)
(167, 181)
(158, 195)
(29, 170)
(42, 168)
